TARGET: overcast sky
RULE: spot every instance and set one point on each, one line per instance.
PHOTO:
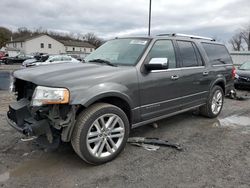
(111, 18)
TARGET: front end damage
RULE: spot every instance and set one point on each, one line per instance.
(51, 120)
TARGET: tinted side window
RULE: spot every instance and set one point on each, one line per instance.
(217, 54)
(188, 54)
(198, 55)
(163, 49)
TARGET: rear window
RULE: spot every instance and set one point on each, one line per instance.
(217, 54)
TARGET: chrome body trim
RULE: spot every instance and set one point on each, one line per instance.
(163, 117)
(222, 65)
(153, 104)
(181, 68)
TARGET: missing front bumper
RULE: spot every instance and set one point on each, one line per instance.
(20, 118)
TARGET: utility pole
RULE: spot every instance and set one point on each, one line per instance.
(149, 17)
(249, 40)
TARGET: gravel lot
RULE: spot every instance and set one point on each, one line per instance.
(216, 154)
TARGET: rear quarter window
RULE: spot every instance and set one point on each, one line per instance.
(217, 53)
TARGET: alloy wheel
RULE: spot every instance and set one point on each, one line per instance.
(217, 102)
(105, 135)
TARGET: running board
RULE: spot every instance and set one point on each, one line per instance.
(163, 117)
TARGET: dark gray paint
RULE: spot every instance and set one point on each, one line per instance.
(86, 81)
(151, 95)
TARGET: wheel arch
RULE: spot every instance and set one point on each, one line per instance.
(220, 82)
(116, 99)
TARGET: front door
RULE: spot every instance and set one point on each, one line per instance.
(160, 89)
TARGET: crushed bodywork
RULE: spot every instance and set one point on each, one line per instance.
(142, 141)
(46, 120)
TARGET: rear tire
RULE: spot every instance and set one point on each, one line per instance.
(214, 103)
(100, 133)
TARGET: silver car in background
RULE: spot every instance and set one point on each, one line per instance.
(49, 59)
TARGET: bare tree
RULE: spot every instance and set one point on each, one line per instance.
(93, 39)
(241, 40)
(246, 36)
(6, 34)
(237, 42)
(40, 30)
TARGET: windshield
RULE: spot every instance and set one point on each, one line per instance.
(245, 66)
(119, 51)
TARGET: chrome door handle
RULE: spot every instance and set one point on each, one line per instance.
(175, 77)
(205, 73)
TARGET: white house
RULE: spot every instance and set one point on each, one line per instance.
(77, 47)
(47, 44)
(11, 51)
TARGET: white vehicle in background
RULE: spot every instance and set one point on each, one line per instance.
(50, 59)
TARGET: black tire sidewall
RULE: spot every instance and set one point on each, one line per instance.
(83, 146)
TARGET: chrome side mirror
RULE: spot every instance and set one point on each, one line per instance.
(157, 64)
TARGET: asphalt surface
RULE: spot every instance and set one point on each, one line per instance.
(5, 72)
(216, 154)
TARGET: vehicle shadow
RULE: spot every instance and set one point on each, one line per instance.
(64, 157)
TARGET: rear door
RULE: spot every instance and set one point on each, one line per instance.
(194, 75)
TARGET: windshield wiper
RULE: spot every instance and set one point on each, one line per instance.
(103, 61)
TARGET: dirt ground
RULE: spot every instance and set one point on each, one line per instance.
(216, 154)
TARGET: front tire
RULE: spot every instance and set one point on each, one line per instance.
(214, 104)
(100, 134)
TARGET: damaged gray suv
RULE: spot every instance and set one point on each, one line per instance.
(125, 83)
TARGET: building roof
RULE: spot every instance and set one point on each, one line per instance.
(25, 38)
(11, 49)
(240, 53)
(76, 43)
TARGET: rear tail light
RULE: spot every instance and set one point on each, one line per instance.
(233, 72)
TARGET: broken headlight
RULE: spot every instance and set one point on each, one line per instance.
(47, 95)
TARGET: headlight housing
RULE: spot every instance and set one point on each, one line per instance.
(48, 95)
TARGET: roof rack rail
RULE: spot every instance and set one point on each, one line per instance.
(185, 35)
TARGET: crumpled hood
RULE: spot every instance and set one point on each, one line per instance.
(67, 75)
